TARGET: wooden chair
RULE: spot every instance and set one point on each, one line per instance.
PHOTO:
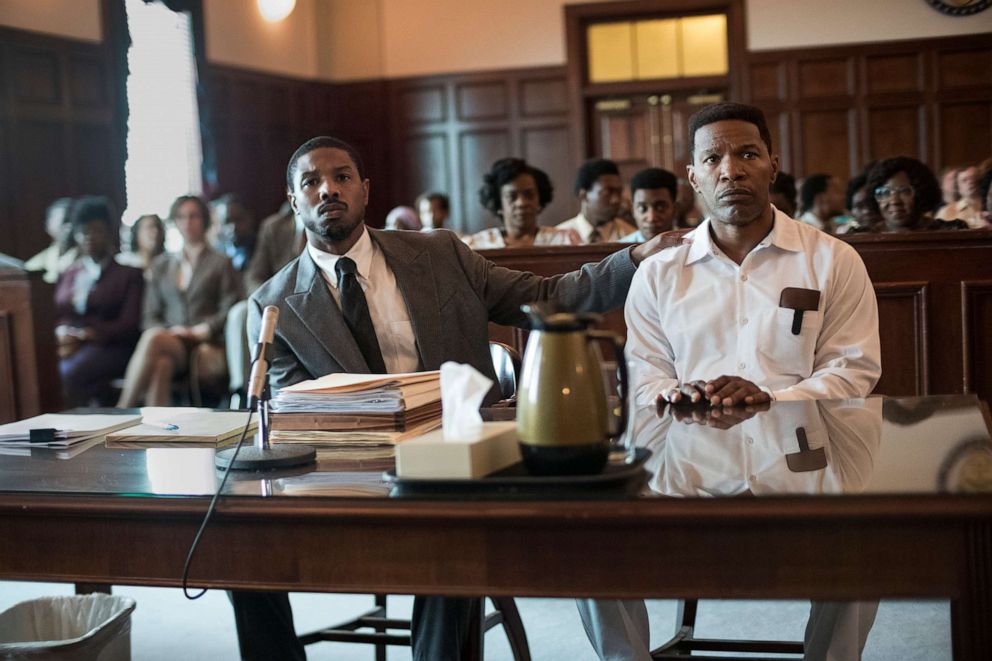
(375, 627)
(683, 645)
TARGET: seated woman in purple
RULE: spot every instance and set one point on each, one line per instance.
(98, 303)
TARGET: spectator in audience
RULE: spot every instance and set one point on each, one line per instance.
(949, 185)
(822, 199)
(687, 213)
(186, 303)
(653, 192)
(969, 207)
(403, 218)
(98, 303)
(904, 194)
(600, 191)
(517, 193)
(782, 194)
(864, 219)
(238, 231)
(146, 243)
(61, 253)
(434, 210)
(986, 191)
(280, 241)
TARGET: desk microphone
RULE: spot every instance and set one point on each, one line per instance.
(263, 351)
(262, 455)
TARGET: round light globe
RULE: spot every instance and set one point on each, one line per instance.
(276, 10)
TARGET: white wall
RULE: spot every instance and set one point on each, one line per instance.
(349, 39)
(76, 19)
(774, 24)
(238, 36)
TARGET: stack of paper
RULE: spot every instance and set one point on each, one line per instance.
(202, 428)
(61, 430)
(352, 411)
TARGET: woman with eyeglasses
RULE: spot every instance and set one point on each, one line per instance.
(905, 194)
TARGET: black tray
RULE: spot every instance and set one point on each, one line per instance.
(619, 477)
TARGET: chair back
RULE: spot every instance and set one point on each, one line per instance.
(506, 363)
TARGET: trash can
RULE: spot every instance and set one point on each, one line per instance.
(91, 627)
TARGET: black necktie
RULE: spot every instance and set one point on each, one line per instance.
(356, 314)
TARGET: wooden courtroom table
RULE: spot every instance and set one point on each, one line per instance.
(892, 500)
(934, 294)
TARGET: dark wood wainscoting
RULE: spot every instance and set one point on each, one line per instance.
(259, 120)
(934, 295)
(835, 109)
(448, 130)
(60, 132)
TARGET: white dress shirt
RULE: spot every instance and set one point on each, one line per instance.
(694, 314)
(89, 273)
(187, 264)
(492, 238)
(386, 305)
(610, 232)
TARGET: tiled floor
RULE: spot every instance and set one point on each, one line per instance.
(167, 627)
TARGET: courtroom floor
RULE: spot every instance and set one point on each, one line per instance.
(166, 626)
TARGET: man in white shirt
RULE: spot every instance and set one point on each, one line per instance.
(754, 307)
(822, 198)
(600, 191)
(652, 193)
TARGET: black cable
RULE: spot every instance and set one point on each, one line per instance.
(210, 510)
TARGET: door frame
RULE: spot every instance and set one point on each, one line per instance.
(577, 17)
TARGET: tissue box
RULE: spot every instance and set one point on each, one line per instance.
(492, 448)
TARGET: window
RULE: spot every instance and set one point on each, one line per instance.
(657, 48)
(163, 132)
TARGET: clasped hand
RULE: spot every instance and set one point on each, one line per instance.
(723, 391)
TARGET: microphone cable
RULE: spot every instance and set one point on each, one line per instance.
(210, 511)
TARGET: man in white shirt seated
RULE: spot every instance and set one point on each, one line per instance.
(822, 197)
(753, 307)
(600, 190)
(652, 192)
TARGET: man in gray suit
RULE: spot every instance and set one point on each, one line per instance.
(425, 298)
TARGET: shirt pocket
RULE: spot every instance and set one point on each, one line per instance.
(785, 353)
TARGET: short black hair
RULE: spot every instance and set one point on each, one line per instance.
(784, 184)
(719, 112)
(926, 188)
(160, 247)
(853, 186)
(653, 178)
(592, 170)
(195, 199)
(984, 189)
(91, 207)
(433, 196)
(503, 172)
(321, 142)
(812, 186)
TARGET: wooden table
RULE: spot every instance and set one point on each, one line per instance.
(128, 517)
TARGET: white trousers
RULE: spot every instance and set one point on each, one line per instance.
(619, 631)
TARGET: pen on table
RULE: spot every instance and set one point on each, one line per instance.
(168, 426)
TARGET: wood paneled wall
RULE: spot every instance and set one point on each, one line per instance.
(60, 132)
(448, 130)
(835, 109)
(258, 121)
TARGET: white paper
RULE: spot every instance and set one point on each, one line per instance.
(462, 390)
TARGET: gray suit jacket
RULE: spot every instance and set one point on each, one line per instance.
(214, 287)
(451, 294)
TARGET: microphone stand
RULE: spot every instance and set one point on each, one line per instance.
(262, 455)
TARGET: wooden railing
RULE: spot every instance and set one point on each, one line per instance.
(934, 298)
